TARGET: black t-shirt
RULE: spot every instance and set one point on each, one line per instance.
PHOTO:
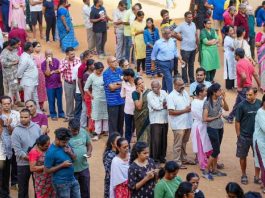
(95, 13)
(245, 114)
(199, 194)
(49, 11)
(201, 8)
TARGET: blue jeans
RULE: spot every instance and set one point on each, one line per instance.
(128, 45)
(166, 69)
(53, 94)
(129, 126)
(83, 178)
(78, 105)
(67, 190)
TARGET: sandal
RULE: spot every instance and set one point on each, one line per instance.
(257, 180)
(244, 180)
(183, 167)
(220, 166)
(189, 162)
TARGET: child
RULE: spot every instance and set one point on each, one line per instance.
(194, 179)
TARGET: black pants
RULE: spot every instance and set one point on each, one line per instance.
(23, 181)
(116, 119)
(216, 137)
(175, 67)
(13, 169)
(158, 142)
(50, 25)
(83, 178)
(140, 64)
(4, 177)
(251, 43)
(1, 84)
(188, 57)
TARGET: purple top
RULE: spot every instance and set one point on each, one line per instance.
(40, 119)
(53, 81)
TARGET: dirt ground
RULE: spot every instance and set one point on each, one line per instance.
(212, 189)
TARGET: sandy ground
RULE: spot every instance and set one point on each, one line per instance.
(214, 189)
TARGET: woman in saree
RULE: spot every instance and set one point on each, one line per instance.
(141, 112)
(16, 13)
(260, 44)
(259, 141)
(209, 59)
(65, 27)
(42, 180)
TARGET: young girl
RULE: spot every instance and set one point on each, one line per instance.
(184, 191)
(194, 179)
(234, 190)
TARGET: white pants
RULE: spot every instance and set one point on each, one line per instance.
(101, 125)
(30, 93)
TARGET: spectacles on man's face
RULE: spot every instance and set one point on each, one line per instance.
(113, 61)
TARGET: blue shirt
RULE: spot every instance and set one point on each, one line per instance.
(164, 50)
(54, 156)
(260, 17)
(218, 9)
(49, 8)
(113, 97)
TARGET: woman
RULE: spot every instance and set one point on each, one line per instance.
(39, 58)
(141, 112)
(260, 14)
(151, 35)
(65, 27)
(124, 64)
(212, 115)
(137, 29)
(259, 141)
(99, 103)
(200, 140)
(234, 190)
(184, 191)
(229, 58)
(229, 16)
(119, 171)
(260, 44)
(194, 179)
(127, 88)
(209, 58)
(169, 181)
(16, 14)
(42, 180)
(109, 154)
(142, 172)
(50, 18)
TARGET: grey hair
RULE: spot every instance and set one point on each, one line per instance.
(242, 6)
(232, 8)
(178, 79)
(164, 29)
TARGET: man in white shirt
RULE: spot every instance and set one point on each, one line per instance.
(88, 25)
(118, 16)
(178, 104)
(36, 16)
(158, 117)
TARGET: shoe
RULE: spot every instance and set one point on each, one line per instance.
(207, 175)
(101, 56)
(229, 120)
(244, 180)
(257, 180)
(218, 174)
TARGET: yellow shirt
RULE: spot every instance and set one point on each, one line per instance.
(128, 17)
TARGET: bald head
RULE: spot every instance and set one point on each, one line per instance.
(179, 84)
(112, 62)
(155, 85)
(48, 52)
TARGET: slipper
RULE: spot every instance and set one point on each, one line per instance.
(183, 167)
(244, 180)
(188, 162)
(220, 166)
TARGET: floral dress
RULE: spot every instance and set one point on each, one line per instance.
(107, 159)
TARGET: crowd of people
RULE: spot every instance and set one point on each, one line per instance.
(113, 100)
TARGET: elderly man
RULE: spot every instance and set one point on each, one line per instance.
(28, 72)
(200, 79)
(178, 104)
(241, 19)
(157, 106)
(66, 68)
(19, 33)
(112, 85)
(163, 53)
(50, 67)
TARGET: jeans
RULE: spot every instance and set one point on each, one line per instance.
(116, 119)
(166, 69)
(50, 25)
(53, 94)
(83, 118)
(210, 75)
(128, 45)
(78, 105)
(23, 177)
(69, 90)
(4, 177)
(129, 127)
(83, 178)
(175, 67)
(101, 39)
(188, 57)
(5, 14)
(67, 190)
(215, 136)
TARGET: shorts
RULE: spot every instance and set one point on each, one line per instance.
(243, 146)
(218, 24)
(36, 17)
(199, 21)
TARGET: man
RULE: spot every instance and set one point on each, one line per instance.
(23, 138)
(118, 16)
(186, 33)
(99, 18)
(157, 106)
(244, 73)
(112, 85)
(241, 19)
(128, 19)
(38, 118)
(178, 105)
(59, 162)
(19, 33)
(163, 54)
(9, 61)
(66, 68)
(218, 10)
(5, 14)
(36, 16)
(200, 13)
(28, 72)
(200, 79)
(88, 25)
(81, 144)
(244, 125)
(10, 120)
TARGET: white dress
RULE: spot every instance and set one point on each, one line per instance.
(229, 59)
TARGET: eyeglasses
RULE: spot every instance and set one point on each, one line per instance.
(113, 61)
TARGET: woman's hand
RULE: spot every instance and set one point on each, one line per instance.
(150, 175)
(67, 29)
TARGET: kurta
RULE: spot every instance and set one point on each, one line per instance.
(138, 40)
(229, 59)
(16, 13)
